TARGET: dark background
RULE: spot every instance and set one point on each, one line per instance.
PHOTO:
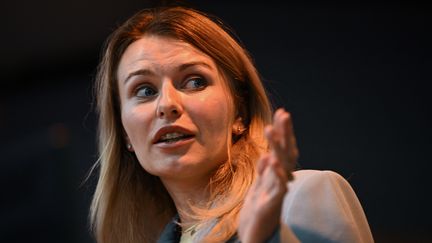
(355, 77)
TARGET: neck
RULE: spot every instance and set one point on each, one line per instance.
(185, 194)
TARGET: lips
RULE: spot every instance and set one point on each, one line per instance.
(171, 134)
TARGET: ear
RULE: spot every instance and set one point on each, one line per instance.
(238, 127)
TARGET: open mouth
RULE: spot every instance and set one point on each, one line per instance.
(173, 137)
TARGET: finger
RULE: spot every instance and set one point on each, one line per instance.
(278, 123)
(284, 142)
(262, 163)
(283, 127)
(277, 136)
(268, 132)
(288, 129)
(279, 170)
(273, 139)
(279, 130)
(284, 172)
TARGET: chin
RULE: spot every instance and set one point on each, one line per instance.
(183, 168)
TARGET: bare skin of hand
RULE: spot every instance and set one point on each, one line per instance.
(261, 212)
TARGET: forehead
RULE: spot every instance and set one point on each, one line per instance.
(160, 54)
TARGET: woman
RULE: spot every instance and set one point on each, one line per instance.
(188, 148)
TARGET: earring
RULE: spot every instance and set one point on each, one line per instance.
(129, 146)
(240, 129)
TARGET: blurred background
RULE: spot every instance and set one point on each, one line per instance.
(356, 78)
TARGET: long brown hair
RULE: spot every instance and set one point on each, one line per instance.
(129, 204)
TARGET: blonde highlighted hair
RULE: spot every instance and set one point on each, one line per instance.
(131, 205)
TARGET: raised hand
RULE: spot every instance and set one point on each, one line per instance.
(260, 215)
(283, 146)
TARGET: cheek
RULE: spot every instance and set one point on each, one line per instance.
(211, 114)
(136, 121)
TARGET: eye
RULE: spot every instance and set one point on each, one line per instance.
(145, 91)
(195, 83)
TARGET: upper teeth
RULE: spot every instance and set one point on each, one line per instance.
(171, 135)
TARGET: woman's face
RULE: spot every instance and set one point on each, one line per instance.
(174, 108)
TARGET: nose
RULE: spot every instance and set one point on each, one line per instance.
(169, 105)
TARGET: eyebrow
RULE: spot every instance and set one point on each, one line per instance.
(190, 64)
(143, 72)
(148, 72)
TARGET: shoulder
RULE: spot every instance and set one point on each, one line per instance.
(316, 183)
(322, 205)
(314, 176)
(315, 190)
